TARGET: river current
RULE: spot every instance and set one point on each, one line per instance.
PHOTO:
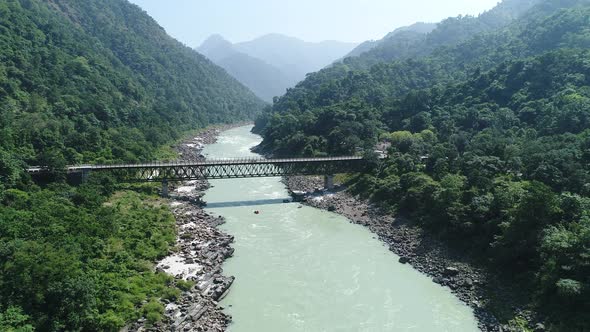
(298, 268)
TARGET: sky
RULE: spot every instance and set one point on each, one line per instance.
(192, 21)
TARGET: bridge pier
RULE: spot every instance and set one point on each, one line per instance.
(329, 182)
(85, 175)
(165, 188)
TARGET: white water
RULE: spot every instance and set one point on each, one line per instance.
(303, 269)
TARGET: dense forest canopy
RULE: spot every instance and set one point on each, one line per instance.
(490, 141)
(546, 27)
(93, 82)
(88, 81)
(407, 34)
(422, 40)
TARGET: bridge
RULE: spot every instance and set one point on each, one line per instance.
(221, 169)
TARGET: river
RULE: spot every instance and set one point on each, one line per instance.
(303, 269)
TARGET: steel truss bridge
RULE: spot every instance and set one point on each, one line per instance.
(222, 169)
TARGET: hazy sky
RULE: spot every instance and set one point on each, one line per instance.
(192, 21)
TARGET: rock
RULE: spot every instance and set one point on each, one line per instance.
(450, 271)
(331, 208)
(404, 260)
(539, 327)
(468, 283)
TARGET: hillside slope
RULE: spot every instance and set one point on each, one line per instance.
(265, 80)
(544, 27)
(93, 81)
(489, 152)
(422, 39)
(84, 81)
(412, 32)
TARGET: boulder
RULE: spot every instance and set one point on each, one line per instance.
(451, 271)
(404, 260)
(539, 327)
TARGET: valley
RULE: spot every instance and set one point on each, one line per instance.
(471, 211)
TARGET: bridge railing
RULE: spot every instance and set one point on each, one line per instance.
(221, 168)
(217, 161)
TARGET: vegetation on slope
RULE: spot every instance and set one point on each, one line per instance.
(498, 165)
(490, 144)
(73, 260)
(301, 111)
(92, 82)
(447, 33)
(97, 81)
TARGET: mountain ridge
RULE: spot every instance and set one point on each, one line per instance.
(272, 63)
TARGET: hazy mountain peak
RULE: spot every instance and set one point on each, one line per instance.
(276, 37)
(420, 27)
(215, 41)
(273, 62)
(216, 48)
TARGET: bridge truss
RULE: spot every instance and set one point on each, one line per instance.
(224, 169)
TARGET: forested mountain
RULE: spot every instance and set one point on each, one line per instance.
(490, 140)
(265, 80)
(272, 63)
(548, 26)
(421, 39)
(409, 33)
(84, 82)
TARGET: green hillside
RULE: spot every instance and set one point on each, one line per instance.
(489, 149)
(86, 81)
(543, 28)
(93, 82)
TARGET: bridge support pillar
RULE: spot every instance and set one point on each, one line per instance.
(329, 182)
(85, 175)
(164, 188)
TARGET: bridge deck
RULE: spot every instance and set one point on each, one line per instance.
(220, 168)
(209, 162)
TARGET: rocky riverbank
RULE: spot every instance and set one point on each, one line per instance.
(470, 283)
(198, 255)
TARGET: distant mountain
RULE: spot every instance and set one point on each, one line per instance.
(416, 29)
(272, 63)
(264, 79)
(293, 55)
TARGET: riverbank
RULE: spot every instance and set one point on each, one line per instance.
(200, 250)
(469, 282)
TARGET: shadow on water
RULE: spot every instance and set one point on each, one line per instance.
(247, 203)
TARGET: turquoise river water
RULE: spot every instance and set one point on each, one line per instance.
(304, 269)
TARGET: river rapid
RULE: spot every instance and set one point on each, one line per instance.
(299, 268)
